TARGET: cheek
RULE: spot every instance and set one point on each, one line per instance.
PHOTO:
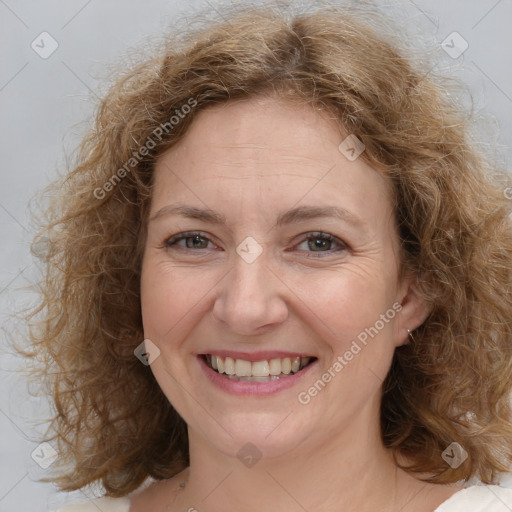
(171, 296)
(158, 299)
(340, 302)
(346, 300)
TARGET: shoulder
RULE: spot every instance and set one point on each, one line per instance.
(479, 498)
(159, 492)
(103, 504)
(146, 494)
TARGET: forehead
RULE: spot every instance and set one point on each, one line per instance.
(266, 145)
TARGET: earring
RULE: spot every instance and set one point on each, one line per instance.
(411, 337)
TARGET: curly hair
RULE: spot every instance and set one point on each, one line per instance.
(112, 422)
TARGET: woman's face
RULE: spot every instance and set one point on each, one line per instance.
(233, 274)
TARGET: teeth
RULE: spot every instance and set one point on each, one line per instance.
(243, 368)
(253, 379)
(260, 369)
(275, 367)
(240, 369)
(229, 366)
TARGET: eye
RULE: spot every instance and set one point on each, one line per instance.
(315, 243)
(193, 240)
(322, 243)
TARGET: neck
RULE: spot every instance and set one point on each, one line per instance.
(348, 471)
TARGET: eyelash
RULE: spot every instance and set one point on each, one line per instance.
(171, 242)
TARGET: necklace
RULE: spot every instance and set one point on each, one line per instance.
(180, 487)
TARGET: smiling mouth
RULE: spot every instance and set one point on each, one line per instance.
(257, 371)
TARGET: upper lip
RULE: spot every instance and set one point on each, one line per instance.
(256, 356)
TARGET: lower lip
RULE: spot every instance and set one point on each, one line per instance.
(236, 387)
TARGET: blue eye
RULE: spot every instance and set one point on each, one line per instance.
(319, 243)
(322, 243)
(193, 240)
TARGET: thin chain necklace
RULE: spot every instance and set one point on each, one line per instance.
(180, 487)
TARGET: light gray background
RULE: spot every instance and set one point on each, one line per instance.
(45, 106)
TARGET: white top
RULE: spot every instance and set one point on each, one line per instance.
(477, 498)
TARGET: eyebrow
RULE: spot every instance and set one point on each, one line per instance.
(299, 214)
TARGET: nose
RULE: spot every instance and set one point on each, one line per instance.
(251, 299)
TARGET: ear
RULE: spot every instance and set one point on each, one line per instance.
(415, 310)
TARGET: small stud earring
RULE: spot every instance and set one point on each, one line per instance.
(411, 337)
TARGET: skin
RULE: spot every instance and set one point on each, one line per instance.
(251, 160)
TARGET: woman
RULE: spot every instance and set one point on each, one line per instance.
(279, 279)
